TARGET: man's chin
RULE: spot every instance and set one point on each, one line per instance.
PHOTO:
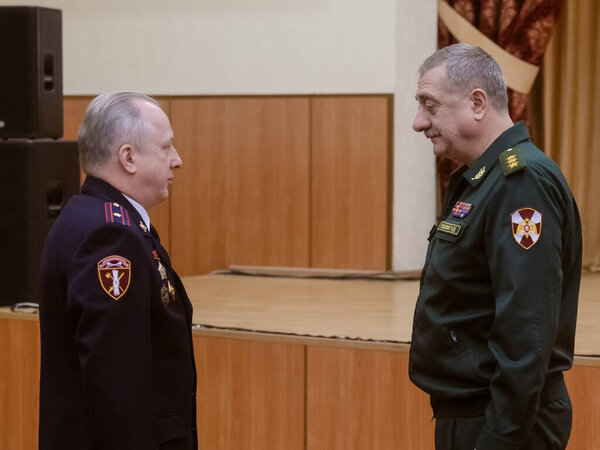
(439, 151)
(160, 199)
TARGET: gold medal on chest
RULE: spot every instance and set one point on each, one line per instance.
(171, 290)
(164, 295)
(161, 270)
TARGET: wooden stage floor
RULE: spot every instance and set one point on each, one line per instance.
(378, 311)
(300, 364)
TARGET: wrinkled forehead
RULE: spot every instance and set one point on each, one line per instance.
(431, 84)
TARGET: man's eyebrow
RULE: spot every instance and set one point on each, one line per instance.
(424, 96)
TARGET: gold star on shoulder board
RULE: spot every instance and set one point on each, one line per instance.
(512, 160)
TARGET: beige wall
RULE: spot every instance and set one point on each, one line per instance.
(230, 47)
(414, 163)
(227, 46)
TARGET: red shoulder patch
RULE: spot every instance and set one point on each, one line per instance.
(526, 226)
(114, 273)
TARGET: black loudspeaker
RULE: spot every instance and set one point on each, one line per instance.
(39, 177)
(31, 89)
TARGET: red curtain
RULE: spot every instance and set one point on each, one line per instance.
(521, 27)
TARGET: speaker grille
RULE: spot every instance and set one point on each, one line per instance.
(31, 90)
(40, 176)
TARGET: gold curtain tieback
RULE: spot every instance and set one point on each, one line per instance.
(519, 74)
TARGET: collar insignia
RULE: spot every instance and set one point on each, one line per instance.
(143, 227)
(461, 209)
(479, 174)
(526, 225)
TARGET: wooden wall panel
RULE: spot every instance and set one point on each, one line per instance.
(363, 400)
(160, 215)
(198, 208)
(243, 194)
(584, 390)
(19, 383)
(282, 181)
(250, 394)
(350, 151)
(73, 110)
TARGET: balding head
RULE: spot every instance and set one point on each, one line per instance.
(111, 120)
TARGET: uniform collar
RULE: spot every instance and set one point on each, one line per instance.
(101, 189)
(140, 209)
(509, 138)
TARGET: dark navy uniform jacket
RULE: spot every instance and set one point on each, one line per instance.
(496, 314)
(117, 369)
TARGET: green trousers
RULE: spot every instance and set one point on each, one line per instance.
(550, 432)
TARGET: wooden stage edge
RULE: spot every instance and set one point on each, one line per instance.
(370, 314)
(282, 338)
(249, 335)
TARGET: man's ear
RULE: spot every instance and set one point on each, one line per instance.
(126, 158)
(479, 103)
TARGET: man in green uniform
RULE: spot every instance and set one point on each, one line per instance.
(494, 324)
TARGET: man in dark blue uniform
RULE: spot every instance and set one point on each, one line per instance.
(494, 323)
(117, 366)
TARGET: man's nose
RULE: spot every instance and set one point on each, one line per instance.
(176, 162)
(421, 122)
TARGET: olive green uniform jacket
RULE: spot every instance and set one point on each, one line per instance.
(497, 309)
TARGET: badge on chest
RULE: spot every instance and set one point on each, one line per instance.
(167, 291)
(461, 210)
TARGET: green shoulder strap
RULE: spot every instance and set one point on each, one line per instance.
(512, 160)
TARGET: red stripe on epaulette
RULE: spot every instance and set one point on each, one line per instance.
(121, 215)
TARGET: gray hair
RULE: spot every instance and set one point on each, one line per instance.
(111, 120)
(468, 68)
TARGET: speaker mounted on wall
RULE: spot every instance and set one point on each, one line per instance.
(31, 87)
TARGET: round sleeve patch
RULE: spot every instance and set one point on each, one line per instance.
(526, 227)
(115, 275)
